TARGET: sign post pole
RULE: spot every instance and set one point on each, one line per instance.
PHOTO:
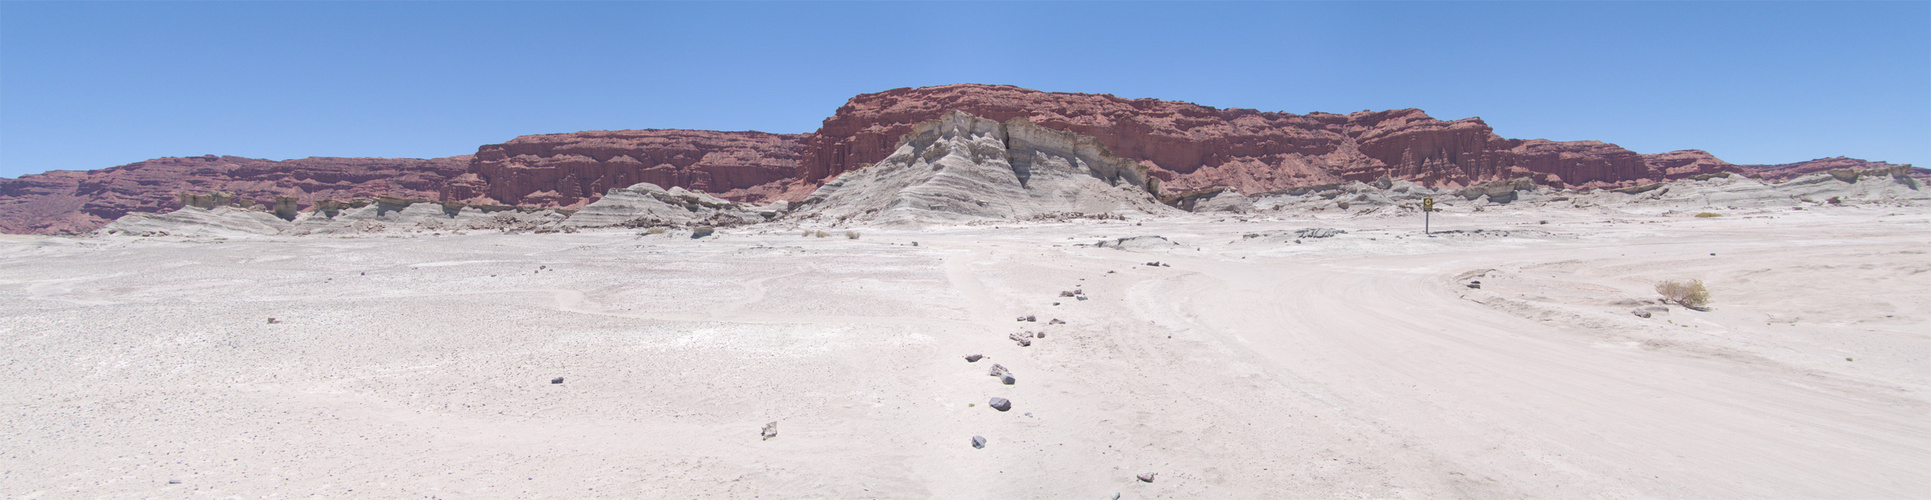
(1427, 205)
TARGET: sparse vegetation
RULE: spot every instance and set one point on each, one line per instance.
(851, 235)
(1689, 294)
(1834, 200)
(821, 234)
(1709, 214)
(655, 230)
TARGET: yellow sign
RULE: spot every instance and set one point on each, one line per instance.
(1427, 204)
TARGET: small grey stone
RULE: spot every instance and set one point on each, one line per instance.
(174, 481)
(557, 380)
(1007, 379)
(978, 442)
(770, 431)
(1001, 404)
(1147, 477)
(997, 370)
(974, 358)
(1639, 313)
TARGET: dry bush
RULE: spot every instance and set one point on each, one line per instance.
(1709, 214)
(655, 230)
(1691, 294)
(820, 234)
(851, 235)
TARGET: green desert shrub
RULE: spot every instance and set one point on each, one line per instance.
(1689, 294)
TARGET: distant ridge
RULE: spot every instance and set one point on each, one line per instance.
(1187, 147)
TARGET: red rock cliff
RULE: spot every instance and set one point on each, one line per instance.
(569, 170)
(1195, 147)
(61, 201)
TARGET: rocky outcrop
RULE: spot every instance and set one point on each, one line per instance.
(571, 170)
(68, 202)
(646, 204)
(1192, 147)
(963, 168)
(1822, 165)
(198, 222)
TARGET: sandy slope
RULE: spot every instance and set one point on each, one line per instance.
(1350, 366)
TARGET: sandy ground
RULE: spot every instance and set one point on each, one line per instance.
(1248, 367)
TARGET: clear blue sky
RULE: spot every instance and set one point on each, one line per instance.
(96, 84)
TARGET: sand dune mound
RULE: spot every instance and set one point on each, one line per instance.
(647, 204)
(963, 168)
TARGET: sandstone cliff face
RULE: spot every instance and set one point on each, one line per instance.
(570, 170)
(67, 202)
(1193, 147)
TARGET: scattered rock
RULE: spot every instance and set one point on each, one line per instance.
(1007, 379)
(1639, 313)
(273, 321)
(997, 370)
(1147, 477)
(979, 442)
(1039, 335)
(1002, 404)
(1055, 321)
(974, 358)
(770, 431)
(1023, 339)
(1475, 284)
(1318, 232)
(1067, 293)
(174, 481)
(702, 231)
(557, 380)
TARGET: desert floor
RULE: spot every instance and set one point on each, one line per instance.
(1247, 367)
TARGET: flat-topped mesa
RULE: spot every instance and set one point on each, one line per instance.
(1194, 147)
(570, 170)
(67, 202)
(1839, 163)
